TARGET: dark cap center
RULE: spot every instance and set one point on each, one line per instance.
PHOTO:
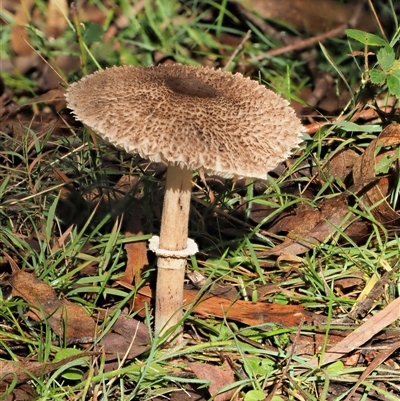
(190, 86)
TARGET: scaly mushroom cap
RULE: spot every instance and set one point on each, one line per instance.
(193, 116)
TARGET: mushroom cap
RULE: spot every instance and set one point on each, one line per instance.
(192, 116)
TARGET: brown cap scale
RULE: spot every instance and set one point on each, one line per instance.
(189, 117)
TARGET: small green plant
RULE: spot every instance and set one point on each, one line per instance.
(387, 70)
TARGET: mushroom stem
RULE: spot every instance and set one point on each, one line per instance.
(173, 237)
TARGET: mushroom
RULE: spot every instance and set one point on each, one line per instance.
(190, 118)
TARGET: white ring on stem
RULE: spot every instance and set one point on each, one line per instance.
(154, 245)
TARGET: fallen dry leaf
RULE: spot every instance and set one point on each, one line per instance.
(347, 283)
(313, 343)
(362, 334)
(381, 357)
(362, 307)
(223, 290)
(23, 392)
(219, 376)
(127, 339)
(259, 212)
(25, 370)
(188, 393)
(57, 11)
(341, 164)
(64, 317)
(91, 12)
(136, 253)
(311, 228)
(299, 224)
(364, 171)
(314, 16)
(19, 40)
(52, 96)
(250, 313)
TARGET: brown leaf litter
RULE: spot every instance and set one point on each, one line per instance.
(24, 370)
(249, 313)
(70, 321)
(362, 334)
(308, 229)
(315, 16)
(67, 319)
(365, 170)
(219, 377)
(126, 339)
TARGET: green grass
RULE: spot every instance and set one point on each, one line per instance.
(58, 235)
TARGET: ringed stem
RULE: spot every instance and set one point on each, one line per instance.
(173, 237)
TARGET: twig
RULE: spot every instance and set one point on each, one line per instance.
(262, 25)
(238, 49)
(371, 6)
(338, 31)
(361, 335)
(302, 44)
(382, 356)
(286, 369)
